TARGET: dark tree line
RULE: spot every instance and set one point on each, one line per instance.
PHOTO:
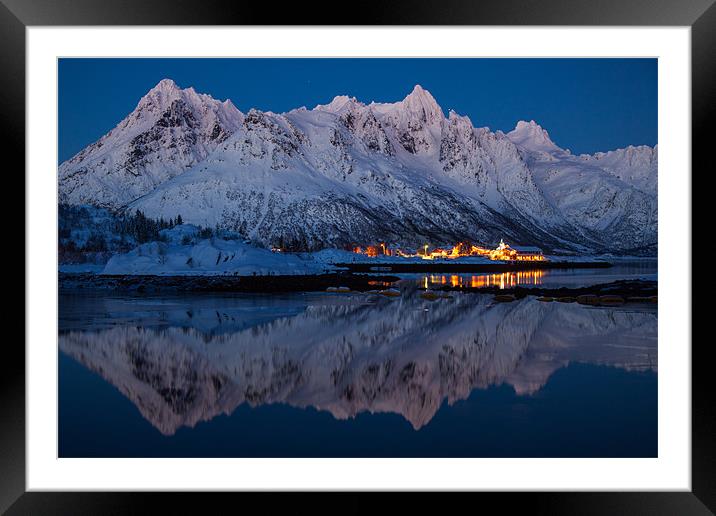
(99, 232)
(143, 229)
(88, 234)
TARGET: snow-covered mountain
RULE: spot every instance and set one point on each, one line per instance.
(636, 166)
(531, 137)
(348, 172)
(347, 356)
(170, 130)
(609, 195)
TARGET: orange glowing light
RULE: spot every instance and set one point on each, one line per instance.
(503, 252)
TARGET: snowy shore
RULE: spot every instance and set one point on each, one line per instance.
(183, 253)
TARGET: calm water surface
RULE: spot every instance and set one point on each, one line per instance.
(356, 375)
(550, 278)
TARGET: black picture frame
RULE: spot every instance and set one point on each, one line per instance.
(700, 15)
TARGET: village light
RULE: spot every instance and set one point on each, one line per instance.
(503, 252)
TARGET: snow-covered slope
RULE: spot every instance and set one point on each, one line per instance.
(184, 253)
(169, 130)
(346, 172)
(612, 196)
(636, 166)
(531, 137)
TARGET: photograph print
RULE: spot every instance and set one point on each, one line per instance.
(375, 257)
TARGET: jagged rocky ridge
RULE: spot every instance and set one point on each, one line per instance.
(348, 355)
(348, 172)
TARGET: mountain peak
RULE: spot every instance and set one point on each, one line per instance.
(418, 90)
(160, 95)
(532, 137)
(166, 84)
(524, 124)
(422, 103)
(338, 103)
(420, 94)
(165, 88)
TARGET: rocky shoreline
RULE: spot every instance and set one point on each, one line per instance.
(605, 294)
(222, 283)
(441, 267)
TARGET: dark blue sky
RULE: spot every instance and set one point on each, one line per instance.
(587, 105)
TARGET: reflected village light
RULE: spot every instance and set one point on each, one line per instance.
(503, 252)
(501, 280)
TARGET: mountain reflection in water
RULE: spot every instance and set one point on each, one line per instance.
(185, 360)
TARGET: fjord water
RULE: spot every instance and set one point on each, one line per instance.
(548, 278)
(356, 375)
